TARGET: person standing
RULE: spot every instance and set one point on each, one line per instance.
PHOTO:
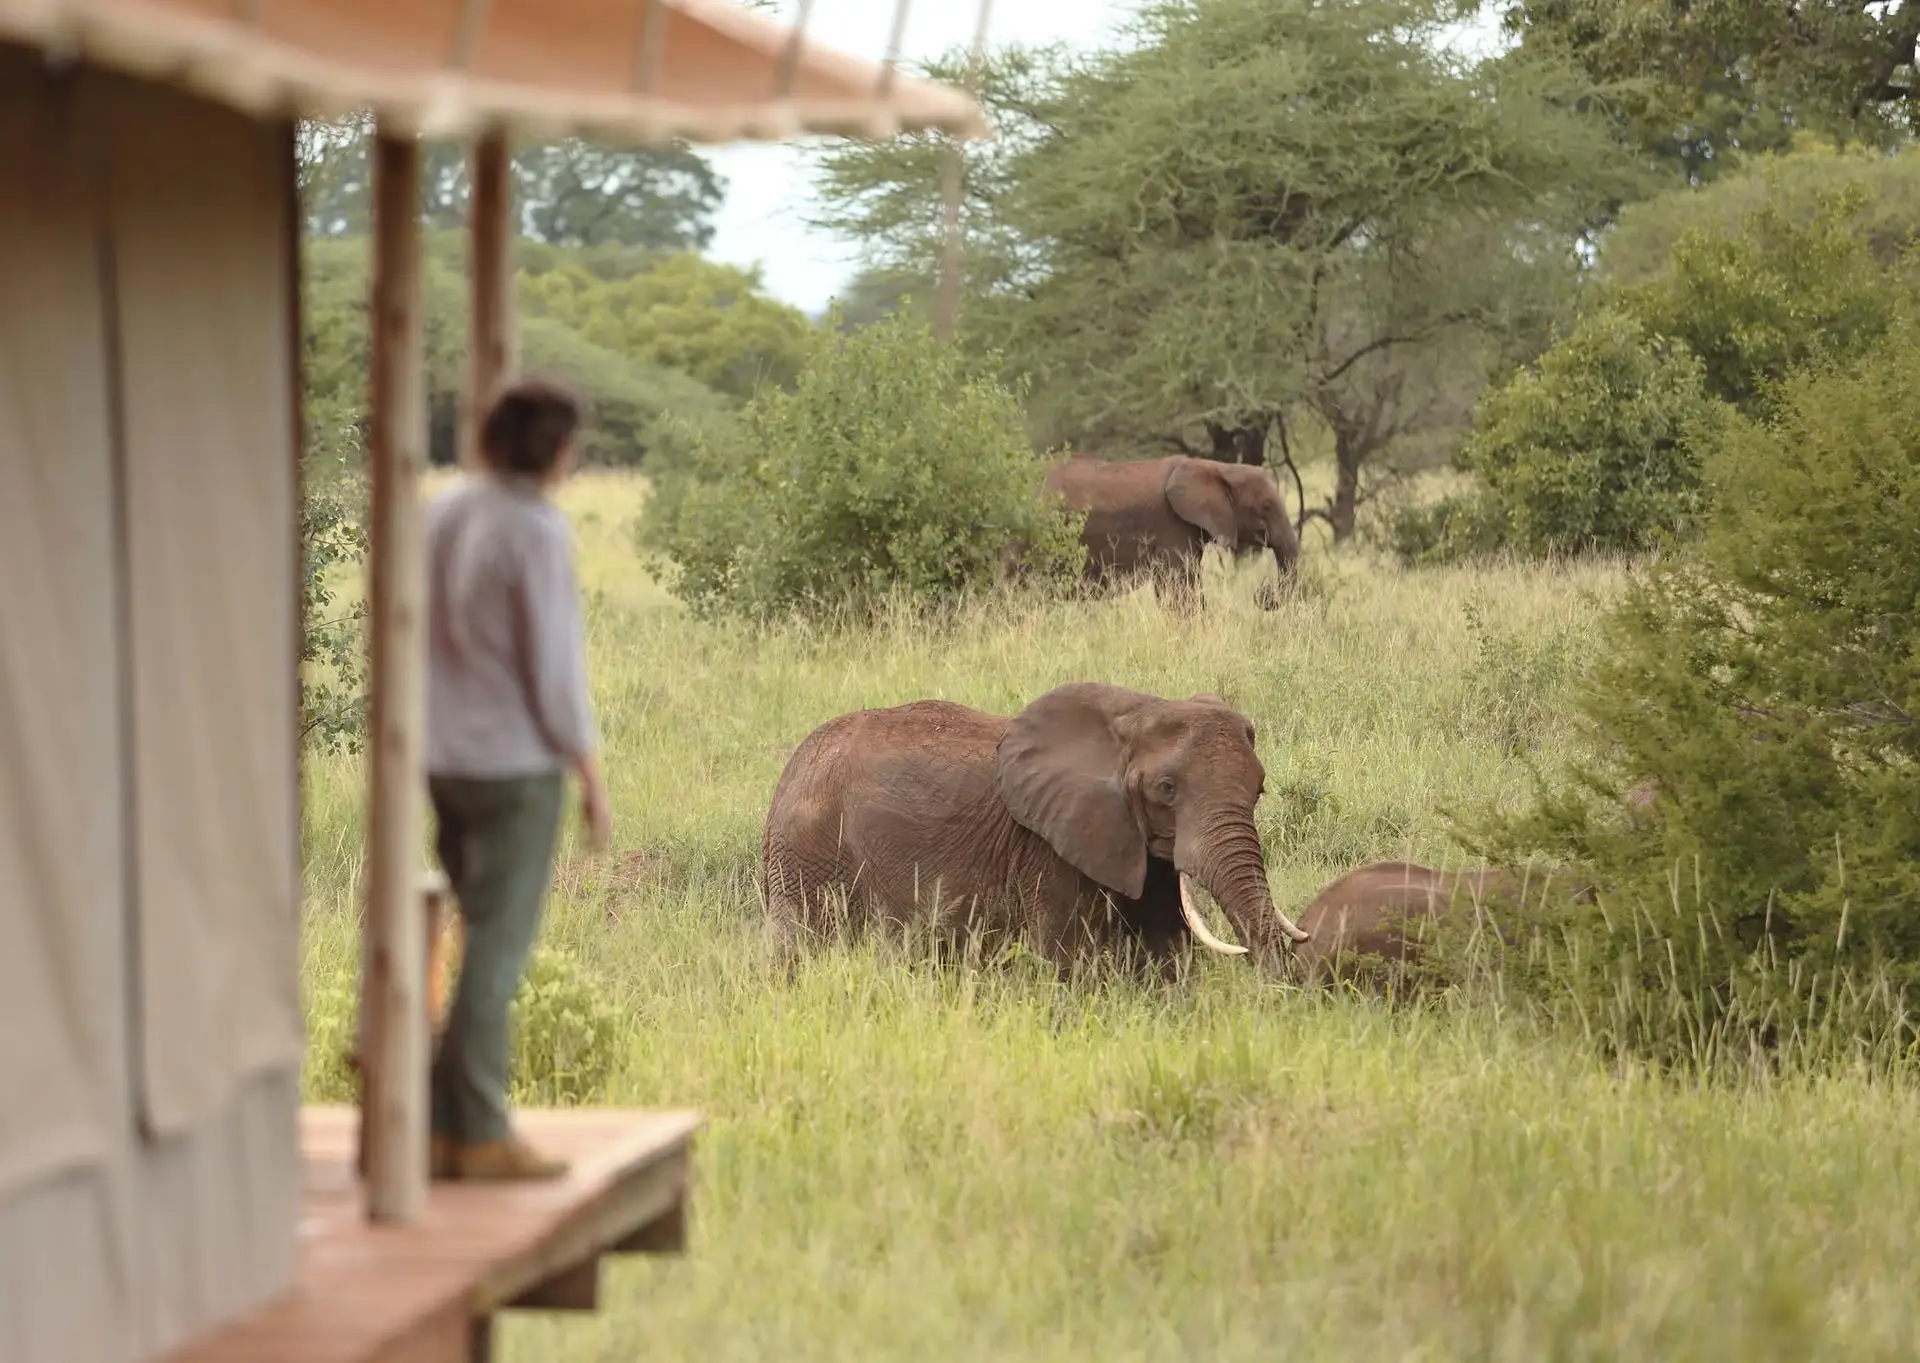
(508, 716)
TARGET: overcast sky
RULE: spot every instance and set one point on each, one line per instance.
(767, 189)
(766, 183)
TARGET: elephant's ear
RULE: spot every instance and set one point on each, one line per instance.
(1199, 496)
(1062, 769)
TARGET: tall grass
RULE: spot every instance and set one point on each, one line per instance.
(918, 1164)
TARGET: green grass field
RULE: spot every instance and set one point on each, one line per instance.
(907, 1165)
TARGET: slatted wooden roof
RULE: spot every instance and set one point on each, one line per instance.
(624, 70)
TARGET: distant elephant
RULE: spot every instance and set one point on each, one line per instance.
(1075, 826)
(1157, 515)
(1372, 916)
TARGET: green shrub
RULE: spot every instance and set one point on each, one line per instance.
(333, 540)
(1459, 526)
(333, 1020)
(1592, 449)
(1773, 295)
(638, 405)
(890, 469)
(566, 1038)
(1767, 683)
(1589, 451)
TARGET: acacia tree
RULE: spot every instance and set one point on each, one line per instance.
(1259, 209)
(1705, 80)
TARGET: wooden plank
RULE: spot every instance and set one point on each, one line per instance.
(634, 1200)
(395, 1078)
(490, 351)
(409, 1293)
(571, 1289)
(663, 1235)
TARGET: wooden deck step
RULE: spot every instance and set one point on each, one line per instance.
(423, 1293)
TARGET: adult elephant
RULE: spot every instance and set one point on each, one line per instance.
(1377, 919)
(1157, 515)
(1076, 826)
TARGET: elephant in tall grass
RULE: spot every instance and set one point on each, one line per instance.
(1156, 516)
(1078, 826)
(1378, 918)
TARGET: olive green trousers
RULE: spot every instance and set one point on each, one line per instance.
(496, 839)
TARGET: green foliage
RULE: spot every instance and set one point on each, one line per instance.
(333, 1021)
(709, 321)
(1800, 184)
(1695, 84)
(1593, 449)
(1518, 678)
(566, 1037)
(639, 403)
(1256, 207)
(570, 193)
(1767, 684)
(332, 642)
(1589, 451)
(892, 468)
(1777, 293)
(1451, 529)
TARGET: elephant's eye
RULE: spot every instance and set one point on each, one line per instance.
(1165, 787)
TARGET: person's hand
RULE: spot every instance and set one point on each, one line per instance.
(595, 810)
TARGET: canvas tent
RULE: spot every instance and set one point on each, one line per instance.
(151, 1175)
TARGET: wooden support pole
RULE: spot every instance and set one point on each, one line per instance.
(491, 347)
(946, 298)
(395, 1082)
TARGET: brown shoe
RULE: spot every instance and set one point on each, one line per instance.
(511, 1158)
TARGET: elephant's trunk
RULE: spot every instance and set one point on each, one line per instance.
(1285, 547)
(1226, 861)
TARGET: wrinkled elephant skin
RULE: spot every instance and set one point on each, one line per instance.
(1073, 826)
(1156, 516)
(1379, 914)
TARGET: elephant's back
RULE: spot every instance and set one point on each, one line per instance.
(1363, 909)
(856, 769)
(1087, 481)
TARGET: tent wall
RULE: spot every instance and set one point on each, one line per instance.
(149, 1160)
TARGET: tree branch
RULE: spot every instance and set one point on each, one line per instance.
(1380, 343)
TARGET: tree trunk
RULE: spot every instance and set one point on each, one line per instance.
(1346, 489)
(1238, 444)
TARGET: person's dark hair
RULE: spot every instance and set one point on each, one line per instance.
(528, 425)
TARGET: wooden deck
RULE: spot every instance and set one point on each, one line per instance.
(426, 1293)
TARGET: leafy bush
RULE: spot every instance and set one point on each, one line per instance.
(1592, 449)
(1801, 182)
(637, 403)
(1767, 684)
(1589, 451)
(566, 1038)
(1779, 292)
(892, 468)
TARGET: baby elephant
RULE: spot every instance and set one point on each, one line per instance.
(1381, 914)
(1074, 826)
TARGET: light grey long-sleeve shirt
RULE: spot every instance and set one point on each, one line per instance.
(506, 684)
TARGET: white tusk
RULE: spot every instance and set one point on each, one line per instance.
(1199, 925)
(1291, 928)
